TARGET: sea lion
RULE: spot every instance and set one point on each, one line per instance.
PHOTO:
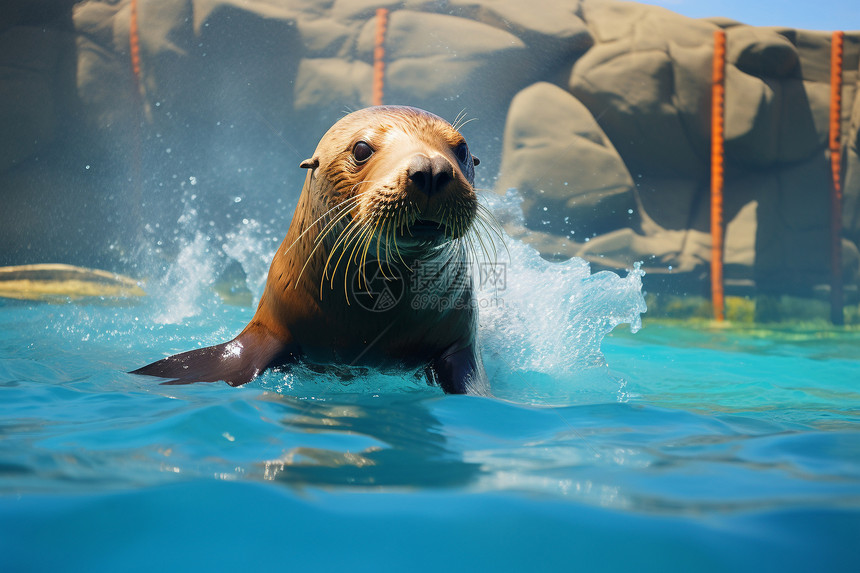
(374, 267)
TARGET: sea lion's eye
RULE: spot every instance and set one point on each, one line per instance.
(462, 153)
(362, 152)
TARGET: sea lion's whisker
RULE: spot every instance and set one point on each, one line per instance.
(467, 243)
(443, 217)
(343, 205)
(457, 119)
(384, 221)
(388, 224)
(476, 250)
(362, 182)
(344, 244)
(308, 260)
(491, 226)
(460, 121)
(468, 229)
(493, 229)
(490, 218)
(366, 226)
(358, 241)
(317, 242)
(493, 222)
(331, 224)
(468, 237)
(364, 244)
(367, 242)
(342, 236)
(466, 122)
(343, 241)
(399, 256)
(480, 238)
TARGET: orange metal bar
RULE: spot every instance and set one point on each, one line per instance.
(138, 99)
(836, 287)
(134, 45)
(379, 56)
(717, 153)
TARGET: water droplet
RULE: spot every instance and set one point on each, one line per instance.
(629, 211)
(237, 200)
(87, 167)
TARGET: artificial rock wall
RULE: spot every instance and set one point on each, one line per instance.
(596, 111)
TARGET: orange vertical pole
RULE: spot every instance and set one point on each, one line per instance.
(138, 114)
(134, 47)
(836, 289)
(379, 56)
(718, 89)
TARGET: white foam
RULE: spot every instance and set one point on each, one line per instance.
(549, 318)
(251, 246)
(188, 279)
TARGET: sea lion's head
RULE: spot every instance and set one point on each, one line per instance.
(397, 178)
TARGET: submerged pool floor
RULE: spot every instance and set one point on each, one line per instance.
(690, 449)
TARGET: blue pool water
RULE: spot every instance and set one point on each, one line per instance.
(666, 449)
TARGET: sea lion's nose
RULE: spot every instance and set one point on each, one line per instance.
(430, 175)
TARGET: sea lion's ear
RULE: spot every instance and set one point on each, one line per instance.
(475, 160)
(311, 163)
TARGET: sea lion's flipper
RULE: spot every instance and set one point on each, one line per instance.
(236, 362)
(460, 371)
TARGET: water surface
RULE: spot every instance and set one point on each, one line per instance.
(668, 449)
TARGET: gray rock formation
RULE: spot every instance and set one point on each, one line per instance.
(596, 111)
(646, 81)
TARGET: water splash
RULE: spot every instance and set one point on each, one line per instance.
(541, 322)
(551, 317)
(545, 328)
(187, 286)
(187, 282)
(250, 246)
